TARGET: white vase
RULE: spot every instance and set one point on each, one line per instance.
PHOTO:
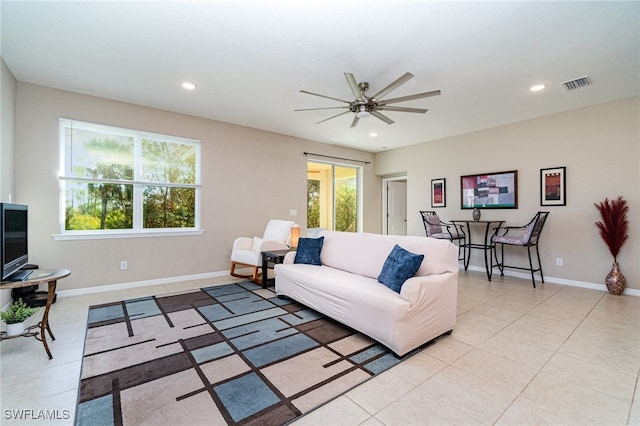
(15, 329)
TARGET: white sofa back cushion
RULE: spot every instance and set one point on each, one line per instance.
(365, 253)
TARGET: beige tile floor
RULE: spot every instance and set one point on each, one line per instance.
(554, 355)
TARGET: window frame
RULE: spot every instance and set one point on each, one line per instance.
(137, 230)
(359, 191)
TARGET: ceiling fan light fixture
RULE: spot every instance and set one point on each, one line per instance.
(362, 112)
(363, 106)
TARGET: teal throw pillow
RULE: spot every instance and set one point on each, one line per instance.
(308, 251)
(399, 267)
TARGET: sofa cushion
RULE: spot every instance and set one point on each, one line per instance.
(399, 267)
(308, 251)
(435, 226)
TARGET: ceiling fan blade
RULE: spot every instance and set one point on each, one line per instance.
(400, 81)
(353, 84)
(324, 96)
(337, 115)
(354, 123)
(316, 109)
(412, 97)
(402, 109)
(382, 117)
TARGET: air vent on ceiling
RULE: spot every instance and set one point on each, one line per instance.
(577, 83)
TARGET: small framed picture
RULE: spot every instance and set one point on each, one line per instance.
(438, 193)
(553, 187)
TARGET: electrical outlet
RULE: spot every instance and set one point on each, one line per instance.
(123, 265)
(559, 261)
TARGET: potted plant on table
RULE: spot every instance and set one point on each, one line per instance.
(15, 317)
(614, 230)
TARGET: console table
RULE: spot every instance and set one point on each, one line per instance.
(39, 276)
(486, 245)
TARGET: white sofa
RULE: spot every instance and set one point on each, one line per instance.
(345, 287)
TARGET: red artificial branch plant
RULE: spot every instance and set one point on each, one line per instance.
(614, 226)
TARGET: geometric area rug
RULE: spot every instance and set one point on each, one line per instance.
(231, 354)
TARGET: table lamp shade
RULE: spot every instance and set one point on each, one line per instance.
(295, 235)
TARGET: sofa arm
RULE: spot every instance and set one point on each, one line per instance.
(289, 257)
(430, 287)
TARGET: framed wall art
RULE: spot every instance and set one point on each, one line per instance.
(553, 187)
(438, 193)
(497, 190)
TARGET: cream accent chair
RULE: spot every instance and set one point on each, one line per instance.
(247, 251)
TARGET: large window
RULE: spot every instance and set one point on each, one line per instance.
(333, 197)
(121, 181)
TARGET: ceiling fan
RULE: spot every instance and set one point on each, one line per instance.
(363, 105)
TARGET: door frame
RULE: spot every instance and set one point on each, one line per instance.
(385, 181)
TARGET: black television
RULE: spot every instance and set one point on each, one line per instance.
(13, 240)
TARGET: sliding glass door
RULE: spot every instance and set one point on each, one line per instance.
(333, 197)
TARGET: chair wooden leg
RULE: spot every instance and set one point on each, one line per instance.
(232, 272)
(254, 277)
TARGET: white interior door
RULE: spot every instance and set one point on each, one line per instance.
(397, 207)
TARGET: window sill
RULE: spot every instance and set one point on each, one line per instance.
(133, 234)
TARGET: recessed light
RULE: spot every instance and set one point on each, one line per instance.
(188, 85)
(537, 87)
(373, 134)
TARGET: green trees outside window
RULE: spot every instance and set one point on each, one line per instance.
(119, 179)
(346, 215)
(313, 203)
(332, 197)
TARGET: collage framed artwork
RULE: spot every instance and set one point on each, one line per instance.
(553, 186)
(438, 193)
(497, 190)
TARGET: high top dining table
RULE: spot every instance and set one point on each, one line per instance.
(486, 246)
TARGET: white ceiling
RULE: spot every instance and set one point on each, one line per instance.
(249, 59)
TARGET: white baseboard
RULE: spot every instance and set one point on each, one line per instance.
(137, 284)
(554, 280)
(170, 280)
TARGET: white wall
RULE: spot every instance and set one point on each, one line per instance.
(248, 177)
(600, 147)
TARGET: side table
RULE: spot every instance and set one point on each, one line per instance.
(272, 258)
(39, 276)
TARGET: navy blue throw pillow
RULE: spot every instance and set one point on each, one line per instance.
(399, 267)
(308, 251)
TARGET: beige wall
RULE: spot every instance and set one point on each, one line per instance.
(248, 177)
(600, 146)
(8, 86)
